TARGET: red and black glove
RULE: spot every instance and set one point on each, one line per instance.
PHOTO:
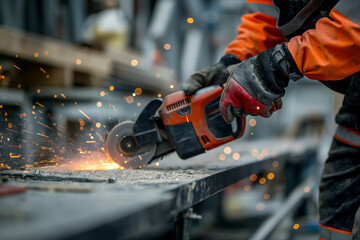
(255, 86)
(216, 74)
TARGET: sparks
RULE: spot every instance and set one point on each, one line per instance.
(40, 104)
(84, 114)
(43, 135)
(44, 125)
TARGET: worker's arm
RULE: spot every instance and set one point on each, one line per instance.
(331, 51)
(257, 32)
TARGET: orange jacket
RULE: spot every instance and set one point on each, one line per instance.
(331, 51)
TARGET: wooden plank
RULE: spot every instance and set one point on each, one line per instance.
(48, 51)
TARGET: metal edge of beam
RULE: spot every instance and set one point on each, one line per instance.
(186, 196)
(192, 193)
(182, 197)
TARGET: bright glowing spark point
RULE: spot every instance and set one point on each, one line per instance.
(99, 104)
(171, 86)
(227, 150)
(82, 123)
(138, 91)
(17, 67)
(270, 176)
(247, 188)
(296, 226)
(187, 119)
(307, 189)
(236, 156)
(138, 104)
(78, 61)
(10, 125)
(55, 96)
(129, 99)
(43, 70)
(140, 157)
(111, 88)
(222, 157)
(98, 125)
(102, 93)
(260, 206)
(157, 164)
(262, 180)
(134, 62)
(265, 151)
(252, 122)
(266, 196)
(167, 46)
(253, 177)
(177, 179)
(63, 95)
(258, 108)
(254, 152)
(90, 141)
(36, 54)
(159, 95)
(275, 164)
(47, 76)
(190, 20)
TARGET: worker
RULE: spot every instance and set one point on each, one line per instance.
(279, 41)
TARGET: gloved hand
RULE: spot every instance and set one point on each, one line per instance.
(217, 74)
(255, 86)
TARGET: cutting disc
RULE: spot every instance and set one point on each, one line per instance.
(122, 147)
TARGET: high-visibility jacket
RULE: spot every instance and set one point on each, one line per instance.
(323, 37)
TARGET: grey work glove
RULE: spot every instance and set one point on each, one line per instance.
(216, 74)
(257, 85)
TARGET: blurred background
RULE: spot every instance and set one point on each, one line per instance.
(72, 69)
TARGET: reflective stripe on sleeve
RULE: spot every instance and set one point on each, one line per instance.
(348, 136)
(268, 9)
(329, 233)
(295, 23)
(350, 9)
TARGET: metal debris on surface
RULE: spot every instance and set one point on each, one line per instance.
(40, 177)
(58, 188)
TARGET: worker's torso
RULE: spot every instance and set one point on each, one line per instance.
(291, 22)
(298, 16)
